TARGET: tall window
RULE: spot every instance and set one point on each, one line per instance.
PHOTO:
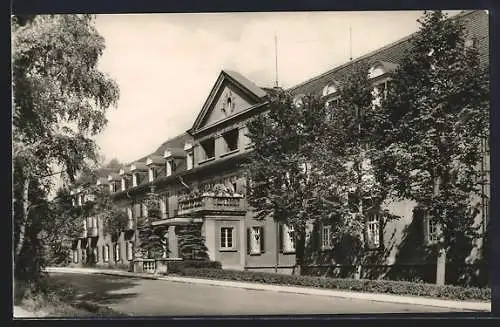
(288, 238)
(130, 250)
(105, 253)
(373, 230)
(326, 237)
(432, 230)
(117, 252)
(226, 238)
(256, 240)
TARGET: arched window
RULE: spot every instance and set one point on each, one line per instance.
(375, 71)
(298, 100)
(330, 88)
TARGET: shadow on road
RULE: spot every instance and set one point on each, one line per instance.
(103, 290)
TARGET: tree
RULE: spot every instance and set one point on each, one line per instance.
(151, 242)
(286, 166)
(59, 103)
(192, 243)
(114, 165)
(431, 127)
(61, 227)
(351, 140)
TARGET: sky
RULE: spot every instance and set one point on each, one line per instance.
(166, 64)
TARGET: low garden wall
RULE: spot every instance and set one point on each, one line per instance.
(171, 265)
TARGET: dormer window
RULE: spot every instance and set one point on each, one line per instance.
(170, 166)
(155, 165)
(139, 173)
(375, 71)
(190, 160)
(188, 147)
(298, 101)
(153, 173)
(330, 88)
(135, 179)
(124, 180)
(112, 187)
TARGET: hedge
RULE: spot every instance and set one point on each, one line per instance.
(449, 292)
(178, 267)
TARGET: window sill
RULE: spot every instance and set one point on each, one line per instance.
(227, 250)
(288, 252)
(229, 153)
(255, 253)
(206, 160)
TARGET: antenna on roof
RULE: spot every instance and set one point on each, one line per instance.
(350, 43)
(276, 59)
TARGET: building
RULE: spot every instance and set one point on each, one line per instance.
(210, 154)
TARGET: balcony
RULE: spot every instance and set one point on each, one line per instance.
(212, 204)
(92, 232)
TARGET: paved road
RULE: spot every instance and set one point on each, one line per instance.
(157, 297)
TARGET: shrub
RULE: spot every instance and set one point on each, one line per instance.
(178, 267)
(360, 285)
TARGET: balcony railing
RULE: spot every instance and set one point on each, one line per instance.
(204, 203)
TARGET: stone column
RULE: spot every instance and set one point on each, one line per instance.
(211, 238)
(172, 242)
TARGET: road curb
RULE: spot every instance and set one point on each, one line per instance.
(377, 297)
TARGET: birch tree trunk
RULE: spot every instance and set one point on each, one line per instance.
(24, 218)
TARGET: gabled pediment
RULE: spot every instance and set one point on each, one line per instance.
(231, 94)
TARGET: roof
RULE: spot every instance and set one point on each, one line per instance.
(155, 159)
(138, 165)
(177, 153)
(176, 142)
(102, 181)
(248, 84)
(125, 170)
(114, 177)
(475, 22)
(387, 66)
